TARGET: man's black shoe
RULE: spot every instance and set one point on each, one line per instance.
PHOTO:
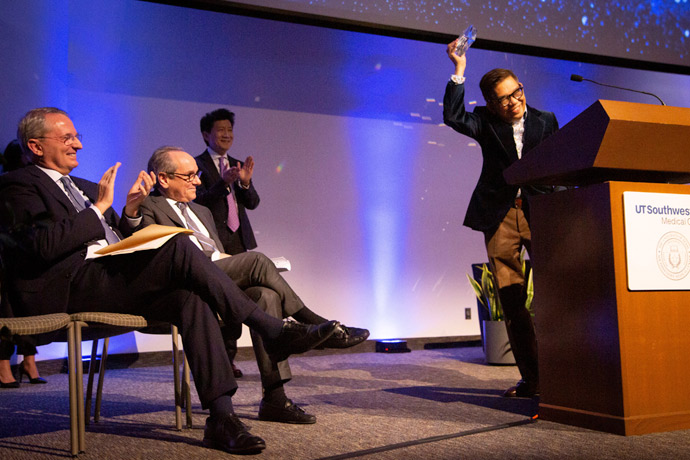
(228, 433)
(522, 390)
(346, 337)
(288, 412)
(297, 338)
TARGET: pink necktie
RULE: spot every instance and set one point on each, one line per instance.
(233, 218)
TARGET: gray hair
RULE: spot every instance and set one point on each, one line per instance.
(160, 161)
(33, 125)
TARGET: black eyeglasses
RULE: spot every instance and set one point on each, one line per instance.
(186, 177)
(67, 139)
(505, 100)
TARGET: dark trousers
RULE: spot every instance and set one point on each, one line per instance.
(258, 276)
(503, 246)
(230, 336)
(178, 284)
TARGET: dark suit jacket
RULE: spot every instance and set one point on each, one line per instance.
(492, 197)
(48, 238)
(212, 193)
(156, 210)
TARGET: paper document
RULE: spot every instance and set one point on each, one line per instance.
(281, 263)
(151, 237)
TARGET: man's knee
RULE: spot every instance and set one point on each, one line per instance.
(267, 299)
(262, 260)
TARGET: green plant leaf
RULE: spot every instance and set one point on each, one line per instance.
(477, 290)
(487, 293)
(530, 293)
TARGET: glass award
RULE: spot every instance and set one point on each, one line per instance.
(466, 40)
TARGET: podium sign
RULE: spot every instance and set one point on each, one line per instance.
(657, 241)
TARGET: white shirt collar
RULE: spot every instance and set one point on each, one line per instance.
(53, 174)
(215, 155)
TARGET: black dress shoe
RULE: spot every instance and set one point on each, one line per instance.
(288, 412)
(236, 371)
(229, 434)
(522, 390)
(14, 384)
(297, 338)
(346, 337)
(33, 381)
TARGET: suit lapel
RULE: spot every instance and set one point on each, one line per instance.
(163, 206)
(52, 188)
(201, 212)
(203, 217)
(209, 167)
(89, 188)
(504, 133)
(534, 132)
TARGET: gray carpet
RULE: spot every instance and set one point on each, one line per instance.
(428, 404)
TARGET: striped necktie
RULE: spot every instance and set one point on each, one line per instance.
(80, 204)
(207, 244)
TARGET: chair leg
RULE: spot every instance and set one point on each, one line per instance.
(79, 376)
(186, 389)
(176, 377)
(101, 379)
(89, 385)
(74, 413)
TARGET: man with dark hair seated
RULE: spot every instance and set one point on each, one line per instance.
(177, 179)
(58, 223)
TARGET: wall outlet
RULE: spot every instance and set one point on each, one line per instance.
(468, 313)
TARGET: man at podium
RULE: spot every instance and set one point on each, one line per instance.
(506, 129)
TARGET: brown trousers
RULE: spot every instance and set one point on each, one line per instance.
(503, 247)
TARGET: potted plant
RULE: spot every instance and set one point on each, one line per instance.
(494, 333)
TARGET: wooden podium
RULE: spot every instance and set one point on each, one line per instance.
(610, 359)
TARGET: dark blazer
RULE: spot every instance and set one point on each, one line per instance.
(212, 193)
(492, 196)
(48, 238)
(156, 210)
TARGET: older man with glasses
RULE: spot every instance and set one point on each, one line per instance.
(172, 204)
(506, 129)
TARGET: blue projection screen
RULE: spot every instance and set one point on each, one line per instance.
(648, 31)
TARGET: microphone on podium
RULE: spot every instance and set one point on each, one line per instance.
(579, 78)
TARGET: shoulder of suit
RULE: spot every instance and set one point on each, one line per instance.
(481, 110)
(203, 155)
(151, 199)
(17, 174)
(539, 113)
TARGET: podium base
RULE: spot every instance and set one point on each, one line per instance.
(625, 426)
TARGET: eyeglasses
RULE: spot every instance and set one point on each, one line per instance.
(67, 139)
(186, 177)
(505, 100)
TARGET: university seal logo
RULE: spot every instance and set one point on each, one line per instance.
(673, 255)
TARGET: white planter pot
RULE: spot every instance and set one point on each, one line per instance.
(496, 344)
